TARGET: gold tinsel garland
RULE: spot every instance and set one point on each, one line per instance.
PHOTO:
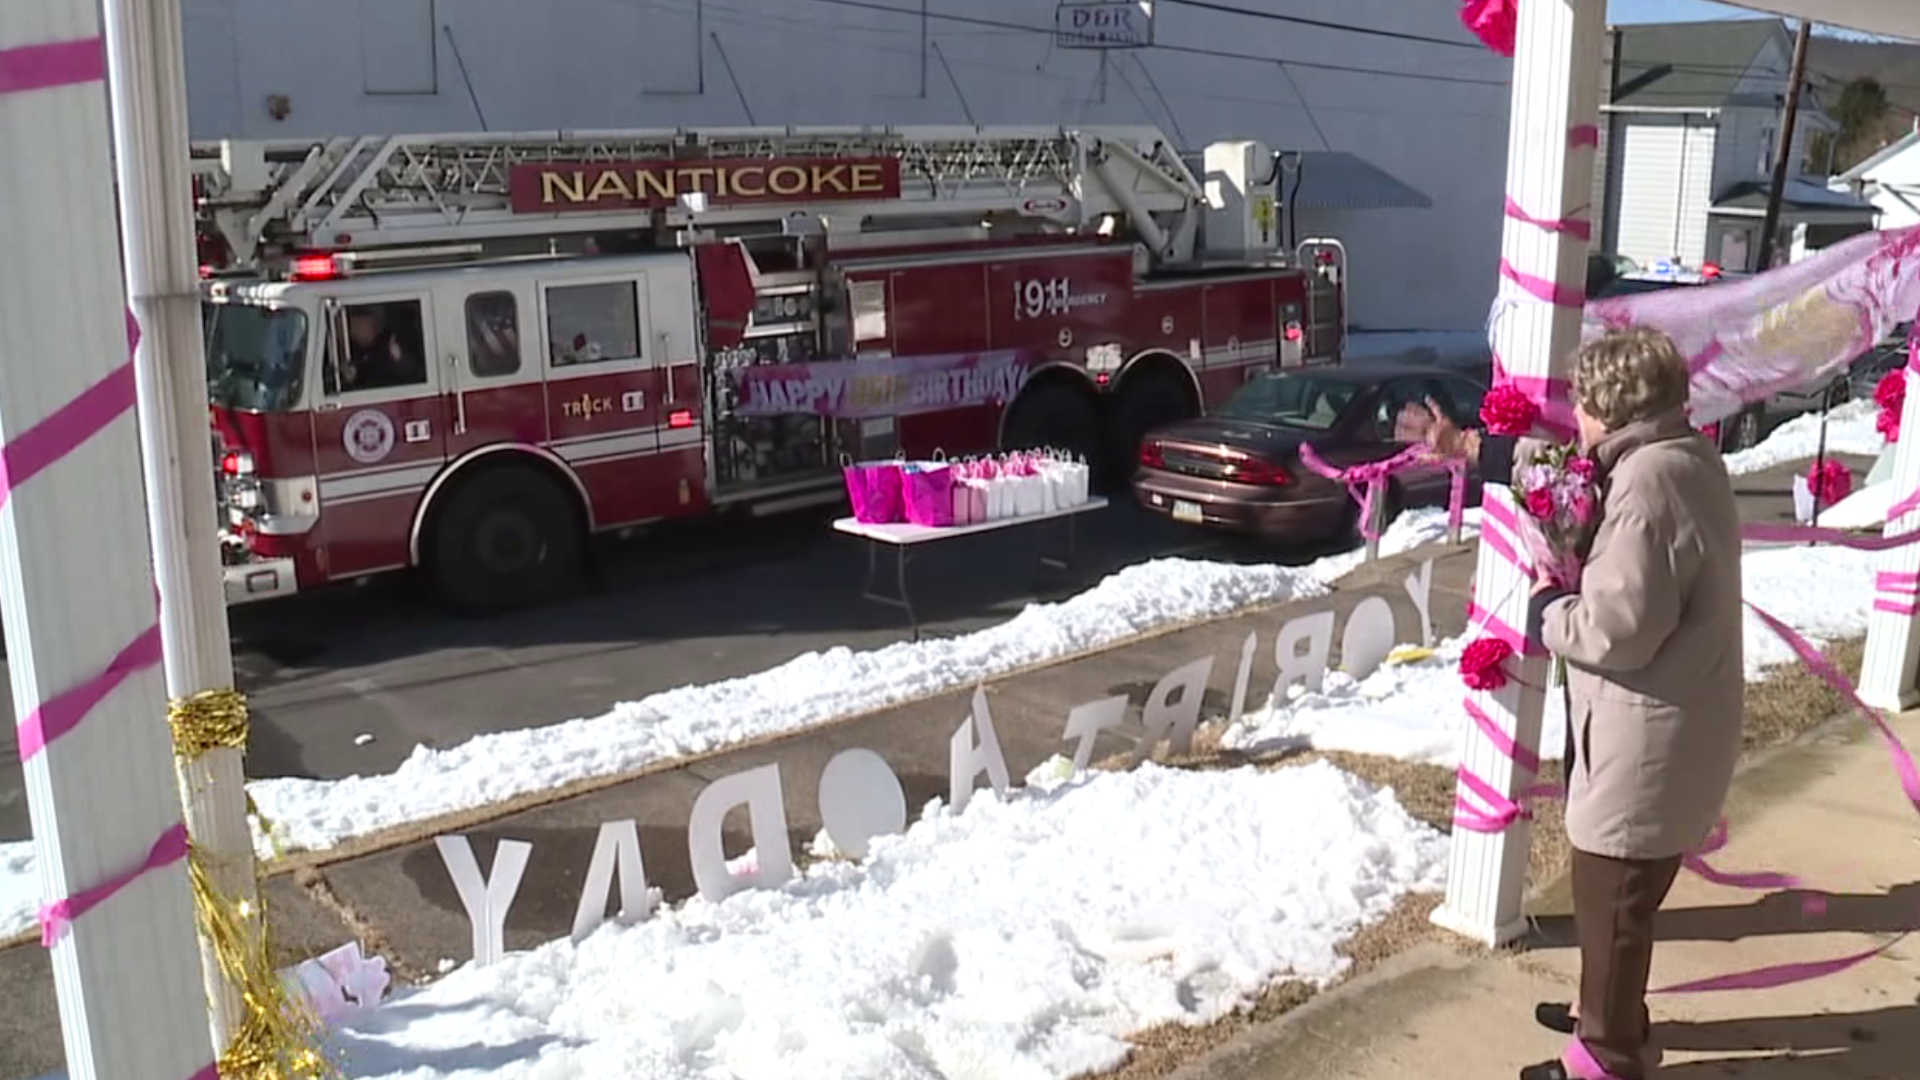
(279, 1037)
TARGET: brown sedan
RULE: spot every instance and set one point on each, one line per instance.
(1239, 467)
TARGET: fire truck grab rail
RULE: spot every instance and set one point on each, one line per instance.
(376, 191)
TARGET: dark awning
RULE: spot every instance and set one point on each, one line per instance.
(1802, 196)
(1334, 180)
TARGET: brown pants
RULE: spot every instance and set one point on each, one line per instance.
(1614, 901)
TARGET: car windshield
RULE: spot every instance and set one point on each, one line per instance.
(1292, 400)
(256, 356)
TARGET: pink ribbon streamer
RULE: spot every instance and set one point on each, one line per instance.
(1544, 290)
(1553, 396)
(1496, 626)
(56, 918)
(1581, 1063)
(1366, 480)
(60, 714)
(1500, 530)
(54, 64)
(1580, 228)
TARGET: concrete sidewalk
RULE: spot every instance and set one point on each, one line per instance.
(1829, 809)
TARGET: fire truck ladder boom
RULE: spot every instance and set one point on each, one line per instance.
(403, 190)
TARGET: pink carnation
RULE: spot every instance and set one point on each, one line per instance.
(1540, 503)
(1482, 664)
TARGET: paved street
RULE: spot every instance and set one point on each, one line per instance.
(351, 680)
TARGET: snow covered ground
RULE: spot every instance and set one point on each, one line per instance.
(1412, 710)
(1022, 940)
(809, 690)
(1849, 431)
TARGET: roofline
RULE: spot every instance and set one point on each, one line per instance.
(1668, 110)
(1883, 155)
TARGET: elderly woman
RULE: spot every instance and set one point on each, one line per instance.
(1653, 648)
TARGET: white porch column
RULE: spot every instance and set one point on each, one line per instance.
(149, 91)
(1550, 155)
(1892, 662)
(76, 591)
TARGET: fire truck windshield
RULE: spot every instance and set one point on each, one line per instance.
(256, 356)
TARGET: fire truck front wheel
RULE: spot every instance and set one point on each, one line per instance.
(507, 538)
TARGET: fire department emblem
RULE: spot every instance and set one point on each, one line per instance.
(368, 436)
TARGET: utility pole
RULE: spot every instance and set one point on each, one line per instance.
(1783, 154)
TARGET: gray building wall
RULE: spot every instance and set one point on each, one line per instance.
(394, 66)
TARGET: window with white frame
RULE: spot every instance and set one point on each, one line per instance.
(590, 324)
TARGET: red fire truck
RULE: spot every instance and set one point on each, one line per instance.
(466, 353)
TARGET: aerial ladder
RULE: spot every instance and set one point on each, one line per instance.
(411, 190)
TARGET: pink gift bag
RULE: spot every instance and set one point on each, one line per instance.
(874, 488)
(928, 491)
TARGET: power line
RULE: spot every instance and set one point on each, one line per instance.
(1190, 50)
(1322, 24)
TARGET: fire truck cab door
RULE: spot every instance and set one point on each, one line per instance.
(379, 428)
(492, 386)
(604, 382)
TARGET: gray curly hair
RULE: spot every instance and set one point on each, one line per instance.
(1629, 375)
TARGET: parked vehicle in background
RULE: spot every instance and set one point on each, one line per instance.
(1238, 468)
(1744, 429)
(465, 352)
(1890, 355)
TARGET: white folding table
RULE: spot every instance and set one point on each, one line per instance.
(903, 537)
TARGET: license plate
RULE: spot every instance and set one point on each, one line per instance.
(1186, 511)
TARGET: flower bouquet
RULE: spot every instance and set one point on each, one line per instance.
(1560, 494)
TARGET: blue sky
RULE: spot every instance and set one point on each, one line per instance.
(1637, 11)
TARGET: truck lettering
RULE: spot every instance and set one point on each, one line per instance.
(549, 187)
(1036, 298)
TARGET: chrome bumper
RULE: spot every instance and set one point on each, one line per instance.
(261, 579)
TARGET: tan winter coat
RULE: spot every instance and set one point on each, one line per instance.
(1653, 647)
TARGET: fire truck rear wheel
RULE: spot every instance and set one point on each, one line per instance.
(1054, 416)
(508, 538)
(1147, 401)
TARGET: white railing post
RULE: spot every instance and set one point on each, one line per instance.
(1550, 160)
(76, 593)
(149, 91)
(1891, 665)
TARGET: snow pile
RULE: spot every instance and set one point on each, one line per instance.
(1849, 431)
(1022, 938)
(1409, 710)
(812, 689)
(1412, 710)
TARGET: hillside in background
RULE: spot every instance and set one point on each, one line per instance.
(1834, 62)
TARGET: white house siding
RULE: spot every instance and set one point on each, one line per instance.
(1741, 145)
(1665, 189)
(1896, 189)
(665, 63)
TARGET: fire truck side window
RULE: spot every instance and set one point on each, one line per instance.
(385, 347)
(590, 323)
(493, 334)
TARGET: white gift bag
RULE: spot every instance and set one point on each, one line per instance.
(962, 504)
(999, 498)
(974, 491)
(1029, 495)
(1059, 486)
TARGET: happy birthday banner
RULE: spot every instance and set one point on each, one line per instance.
(881, 386)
